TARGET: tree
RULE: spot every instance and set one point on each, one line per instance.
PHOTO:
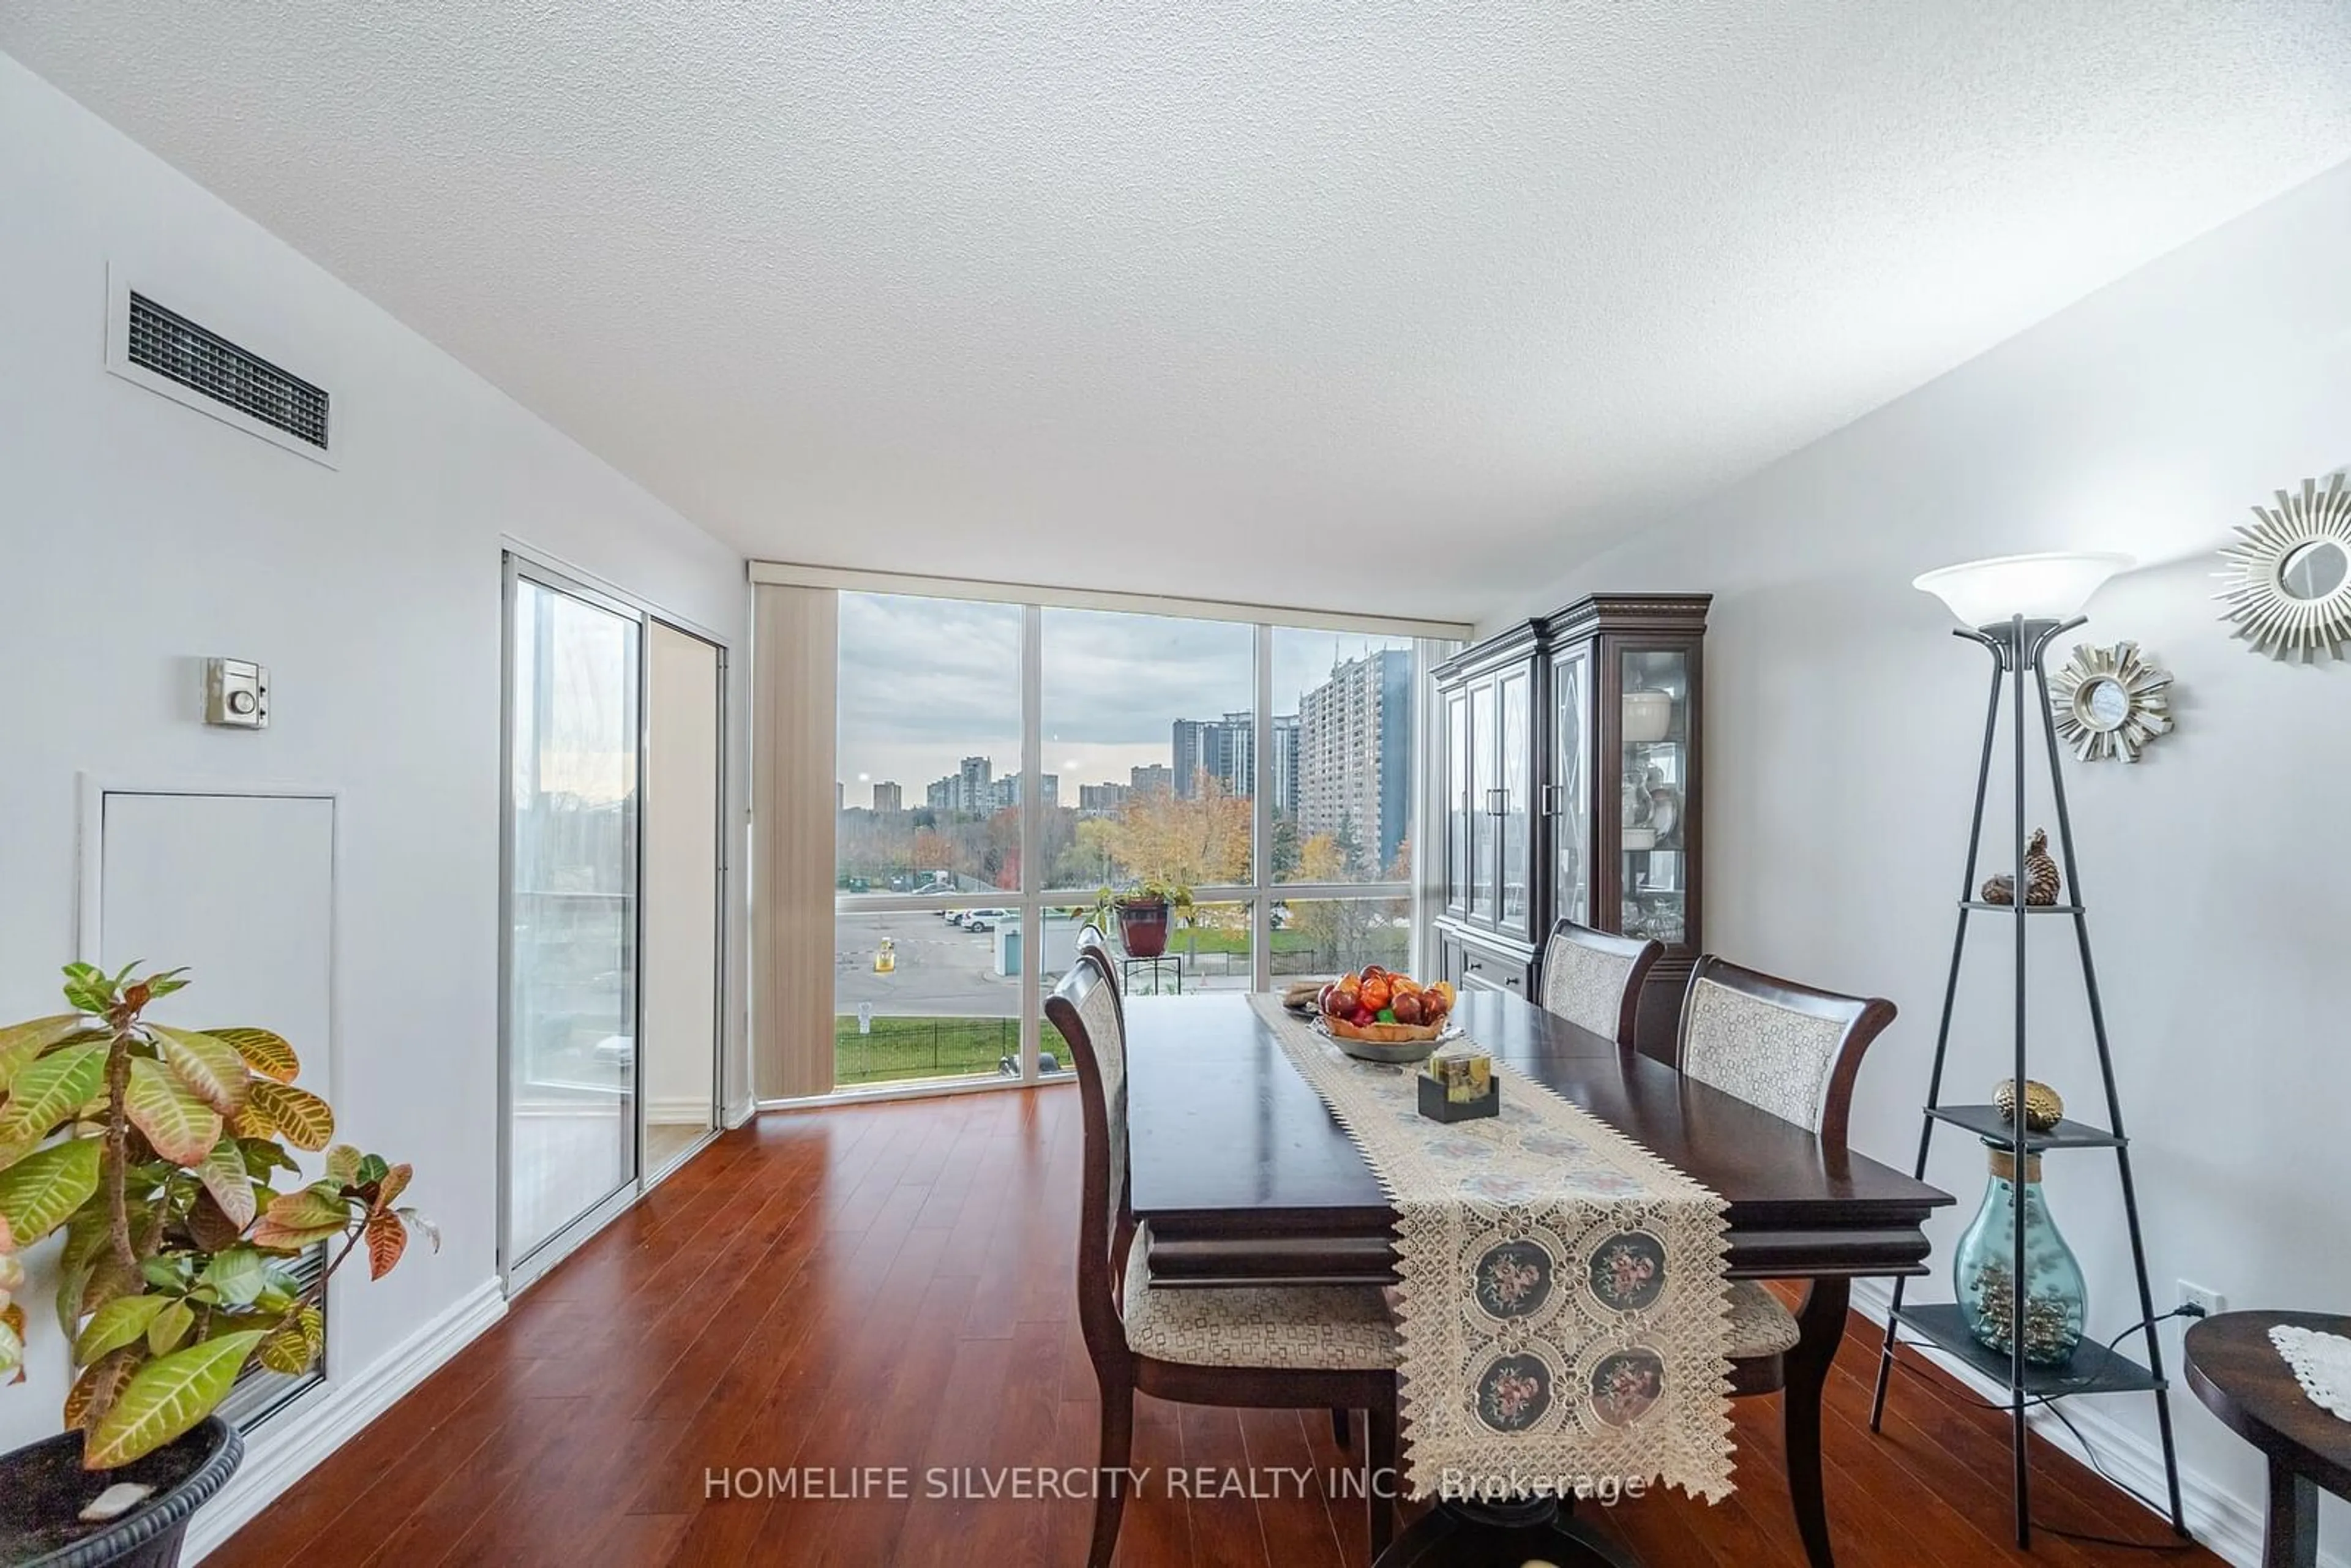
(1189, 843)
(1285, 847)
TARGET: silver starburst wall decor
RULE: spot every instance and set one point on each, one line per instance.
(2110, 701)
(2287, 584)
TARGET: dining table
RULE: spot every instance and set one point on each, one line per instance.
(1245, 1179)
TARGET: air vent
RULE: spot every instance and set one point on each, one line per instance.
(208, 364)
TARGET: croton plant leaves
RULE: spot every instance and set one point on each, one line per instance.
(264, 1052)
(387, 1239)
(294, 1343)
(165, 1397)
(12, 1344)
(300, 1118)
(225, 1177)
(163, 1315)
(210, 1067)
(41, 1190)
(95, 1391)
(298, 1219)
(20, 1043)
(116, 1325)
(181, 1126)
(45, 1092)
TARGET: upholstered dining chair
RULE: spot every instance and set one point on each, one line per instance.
(1794, 1051)
(1593, 978)
(1281, 1347)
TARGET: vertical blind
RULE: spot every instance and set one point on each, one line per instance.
(798, 636)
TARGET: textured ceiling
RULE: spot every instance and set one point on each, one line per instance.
(1386, 304)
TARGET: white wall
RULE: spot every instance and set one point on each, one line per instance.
(1844, 719)
(137, 536)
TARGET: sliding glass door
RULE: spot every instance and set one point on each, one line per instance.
(575, 676)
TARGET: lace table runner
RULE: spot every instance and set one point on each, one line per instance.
(1562, 1305)
(2321, 1363)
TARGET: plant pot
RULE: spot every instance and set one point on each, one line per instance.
(1143, 928)
(46, 1488)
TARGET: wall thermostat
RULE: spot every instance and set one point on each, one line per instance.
(237, 694)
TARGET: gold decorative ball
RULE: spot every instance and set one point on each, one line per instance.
(2043, 1107)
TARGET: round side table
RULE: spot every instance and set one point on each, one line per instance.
(2243, 1380)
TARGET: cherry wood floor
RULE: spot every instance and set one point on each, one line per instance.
(891, 1286)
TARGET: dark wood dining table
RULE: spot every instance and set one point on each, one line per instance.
(1245, 1178)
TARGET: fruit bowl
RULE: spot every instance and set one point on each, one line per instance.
(1391, 1044)
(1382, 1033)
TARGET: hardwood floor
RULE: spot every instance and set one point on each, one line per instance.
(834, 1293)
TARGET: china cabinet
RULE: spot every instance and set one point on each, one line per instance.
(1571, 789)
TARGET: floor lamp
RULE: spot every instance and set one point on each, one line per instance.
(2015, 608)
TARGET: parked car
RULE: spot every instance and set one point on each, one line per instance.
(985, 919)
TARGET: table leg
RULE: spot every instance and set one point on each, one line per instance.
(2291, 1540)
(1821, 1324)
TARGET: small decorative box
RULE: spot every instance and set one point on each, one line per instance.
(1457, 1084)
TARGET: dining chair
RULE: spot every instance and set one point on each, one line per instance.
(1794, 1051)
(1274, 1347)
(1593, 978)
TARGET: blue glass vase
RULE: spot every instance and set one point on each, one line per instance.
(2056, 1297)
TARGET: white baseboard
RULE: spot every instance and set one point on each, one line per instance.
(2229, 1525)
(299, 1437)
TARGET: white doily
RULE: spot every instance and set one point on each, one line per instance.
(2321, 1364)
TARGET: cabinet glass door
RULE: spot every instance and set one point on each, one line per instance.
(1516, 697)
(1457, 803)
(1484, 785)
(1571, 789)
(1655, 764)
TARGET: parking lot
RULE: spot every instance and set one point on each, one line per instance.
(943, 971)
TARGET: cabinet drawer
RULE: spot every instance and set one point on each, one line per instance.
(1480, 971)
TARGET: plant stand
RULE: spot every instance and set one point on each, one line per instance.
(2017, 650)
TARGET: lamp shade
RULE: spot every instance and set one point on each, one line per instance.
(2037, 587)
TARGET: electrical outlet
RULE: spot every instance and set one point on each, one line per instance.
(2211, 1301)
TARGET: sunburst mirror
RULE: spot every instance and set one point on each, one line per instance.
(2110, 701)
(2288, 580)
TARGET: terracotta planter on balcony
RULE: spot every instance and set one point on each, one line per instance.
(1142, 926)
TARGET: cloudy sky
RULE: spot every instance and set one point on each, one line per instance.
(926, 682)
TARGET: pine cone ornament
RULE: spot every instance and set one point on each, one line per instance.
(2041, 881)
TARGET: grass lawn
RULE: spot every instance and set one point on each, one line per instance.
(921, 1048)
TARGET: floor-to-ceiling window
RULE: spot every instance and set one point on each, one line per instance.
(1001, 765)
(928, 960)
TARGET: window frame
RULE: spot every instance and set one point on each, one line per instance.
(1432, 642)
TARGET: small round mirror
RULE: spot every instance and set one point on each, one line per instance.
(2102, 704)
(2313, 570)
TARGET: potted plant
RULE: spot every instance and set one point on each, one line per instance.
(1145, 911)
(158, 1151)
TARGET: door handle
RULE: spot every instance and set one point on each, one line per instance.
(1498, 802)
(1554, 797)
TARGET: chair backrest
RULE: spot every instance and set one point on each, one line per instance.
(1091, 940)
(1781, 1047)
(1084, 1007)
(1593, 978)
